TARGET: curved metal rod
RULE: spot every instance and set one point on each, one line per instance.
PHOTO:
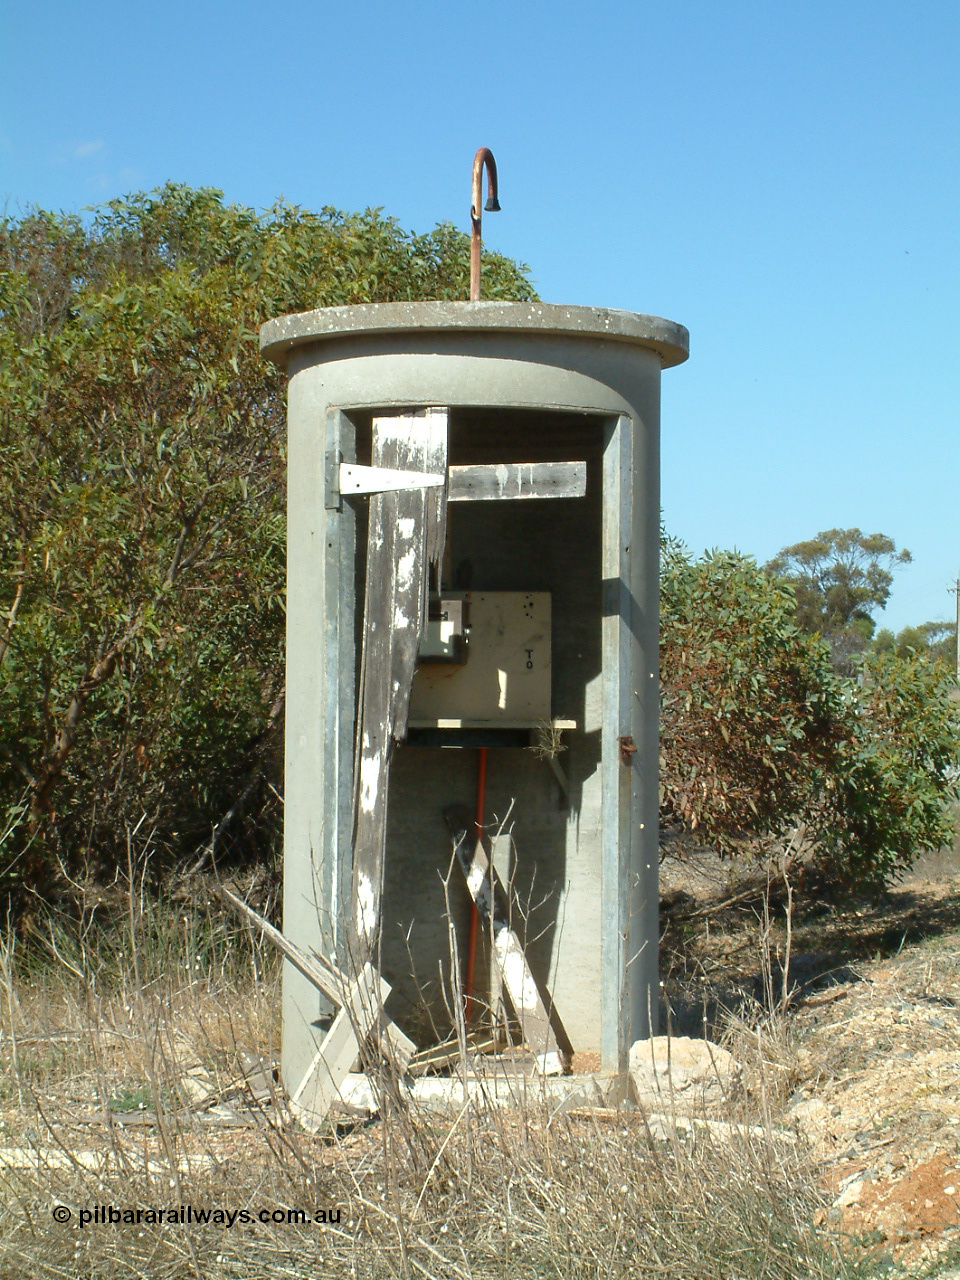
(483, 157)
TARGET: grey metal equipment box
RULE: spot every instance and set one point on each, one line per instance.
(445, 636)
(543, 615)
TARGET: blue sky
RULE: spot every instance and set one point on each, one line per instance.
(782, 179)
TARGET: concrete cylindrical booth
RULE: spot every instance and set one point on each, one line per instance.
(537, 674)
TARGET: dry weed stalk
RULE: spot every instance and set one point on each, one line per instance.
(521, 1192)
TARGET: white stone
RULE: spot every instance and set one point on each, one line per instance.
(678, 1067)
(812, 1118)
(850, 1194)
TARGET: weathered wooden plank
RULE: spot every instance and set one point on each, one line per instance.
(319, 972)
(357, 479)
(439, 1056)
(488, 482)
(484, 1058)
(356, 1020)
(326, 977)
(406, 535)
(543, 1029)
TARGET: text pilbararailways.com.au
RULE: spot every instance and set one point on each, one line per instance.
(183, 1215)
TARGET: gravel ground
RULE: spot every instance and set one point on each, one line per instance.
(869, 1045)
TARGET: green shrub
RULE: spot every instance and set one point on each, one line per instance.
(762, 738)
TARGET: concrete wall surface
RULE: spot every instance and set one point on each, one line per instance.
(523, 383)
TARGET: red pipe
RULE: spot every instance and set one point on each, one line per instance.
(474, 918)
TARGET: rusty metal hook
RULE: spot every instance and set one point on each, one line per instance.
(483, 157)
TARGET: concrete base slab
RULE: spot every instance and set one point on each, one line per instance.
(600, 1097)
(451, 1094)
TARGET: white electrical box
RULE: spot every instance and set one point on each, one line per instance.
(500, 676)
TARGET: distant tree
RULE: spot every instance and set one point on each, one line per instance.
(935, 640)
(840, 579)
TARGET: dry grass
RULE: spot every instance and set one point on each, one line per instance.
(485, 1193)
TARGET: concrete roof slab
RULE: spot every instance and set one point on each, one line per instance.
(671, 341)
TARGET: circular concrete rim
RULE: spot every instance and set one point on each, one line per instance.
(670, 341)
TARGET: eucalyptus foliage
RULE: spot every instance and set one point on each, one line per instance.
(763, 741)
(749, 704)
(141, 508)
(890, 799)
